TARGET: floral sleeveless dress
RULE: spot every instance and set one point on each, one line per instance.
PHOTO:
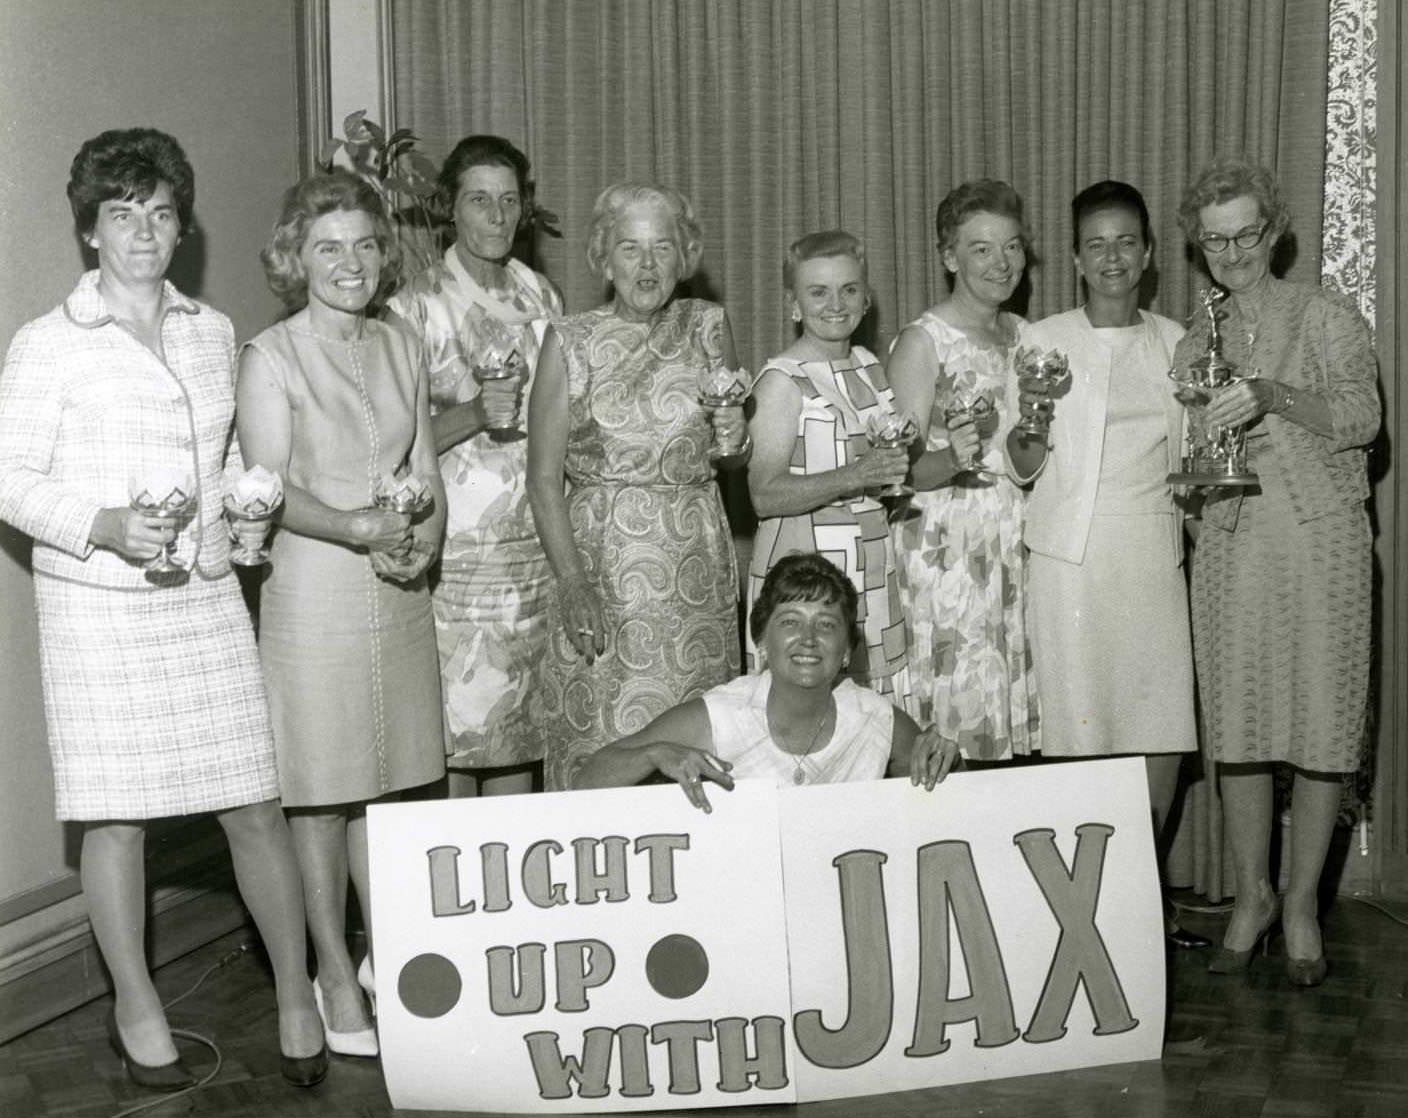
(649, 524)
(490, 592)
(962, 581)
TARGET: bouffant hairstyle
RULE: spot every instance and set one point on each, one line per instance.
(481, 151)
(615, 200)
(991, 196)
(830, 242)
(1109, 194)
(803, 576)
(127, 164)
(304, 203)
(1232, 177)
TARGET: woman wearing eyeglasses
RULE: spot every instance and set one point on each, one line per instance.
(1281, 578)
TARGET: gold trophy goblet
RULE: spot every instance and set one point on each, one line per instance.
(891, 431)
(163, 492)
(979, 409)
(493, 367)
(1052, 369)
(722, 388)
(1213, 455)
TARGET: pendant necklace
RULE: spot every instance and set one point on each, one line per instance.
(799, 775)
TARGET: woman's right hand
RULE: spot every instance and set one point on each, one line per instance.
(583, 617)
(132, 534)
(881, 466)
(690, 767)
(498, 401)
(964, 439)
(378, 530)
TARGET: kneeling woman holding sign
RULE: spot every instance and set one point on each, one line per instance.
(794, 723)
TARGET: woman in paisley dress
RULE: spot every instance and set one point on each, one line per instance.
(961, 558)
(334, 400)
(813, 475)
(646, 606)
(477, 307)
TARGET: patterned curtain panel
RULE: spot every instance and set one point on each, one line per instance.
(782, 116)
(1351, 121)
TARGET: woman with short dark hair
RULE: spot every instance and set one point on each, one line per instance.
(479, 308)
(337, 403)
(1107, 604)
(152, 692)
(799, 721)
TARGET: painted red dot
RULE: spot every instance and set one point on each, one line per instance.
(429, 985)
(677, 966)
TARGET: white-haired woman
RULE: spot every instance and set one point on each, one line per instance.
(646, 609)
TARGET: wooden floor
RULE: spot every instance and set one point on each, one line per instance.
(1238, 1047)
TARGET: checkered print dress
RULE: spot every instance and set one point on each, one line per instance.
(153, 694)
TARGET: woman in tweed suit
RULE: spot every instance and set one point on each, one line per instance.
(152, 689)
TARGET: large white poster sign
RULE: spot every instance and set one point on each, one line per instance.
(1007, 923)
(619, 950)
(602, 951)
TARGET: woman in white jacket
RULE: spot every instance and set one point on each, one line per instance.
(1107, 605)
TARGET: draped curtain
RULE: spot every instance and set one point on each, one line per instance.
(782, 116)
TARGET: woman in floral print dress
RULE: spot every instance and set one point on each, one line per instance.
(961, 557)
(479, 306)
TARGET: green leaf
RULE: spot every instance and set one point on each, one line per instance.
(399, 135)
(378, 134)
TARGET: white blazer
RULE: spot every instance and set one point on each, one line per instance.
(1062, 498)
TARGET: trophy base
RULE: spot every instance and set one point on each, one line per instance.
(1213, 478)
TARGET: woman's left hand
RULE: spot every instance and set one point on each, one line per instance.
(730, 428)
(403, 564)
(1036, 400)
(1239, 404)
(931, 758)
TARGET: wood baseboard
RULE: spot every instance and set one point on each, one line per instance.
(62, 970)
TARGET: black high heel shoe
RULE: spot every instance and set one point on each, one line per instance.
(1185, 940)
(305, 1071)
(1227, 961)
(174, 1076)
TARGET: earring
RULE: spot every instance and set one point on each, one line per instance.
(796, 315)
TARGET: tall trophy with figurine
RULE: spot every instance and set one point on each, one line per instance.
(1213, 455)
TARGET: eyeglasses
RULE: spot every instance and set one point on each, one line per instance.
(1247, 238)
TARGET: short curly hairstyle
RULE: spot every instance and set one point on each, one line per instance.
(830, 242)
(481, 151)
(991, 196)
(1232, 177)
(803, 576)
(303, 204)
(615, 200)
(128, 164)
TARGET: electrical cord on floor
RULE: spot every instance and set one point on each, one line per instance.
(185, 1034)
